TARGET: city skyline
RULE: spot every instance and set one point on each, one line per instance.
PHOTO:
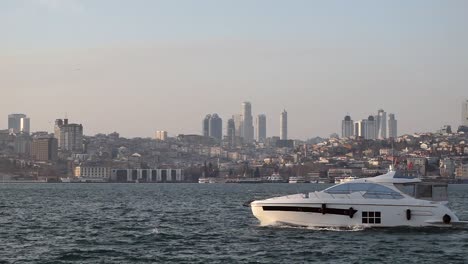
(149, 71)
(348, 126)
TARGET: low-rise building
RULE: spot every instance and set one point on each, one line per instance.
(147, 175)
(93, 172)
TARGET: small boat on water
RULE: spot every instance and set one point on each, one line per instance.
(388, 200)
(297, 179)
(345, 179)
(203, 180)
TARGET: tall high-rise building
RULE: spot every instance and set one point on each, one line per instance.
(465, 113)
(161, 135)
(206, 126)
(247, 122)
(231, 132)
(212, 126)
(284, 125)
(18, 123)
(381, 124)
(44, 149)
(216, 127)
(360, 128)
(347, 129)
(69, 136)
(261, 128)
(365, 128)
(392, 126)
(239, 124)
(371, 128)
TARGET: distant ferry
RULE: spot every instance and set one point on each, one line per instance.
(81, 180)
(275, 178)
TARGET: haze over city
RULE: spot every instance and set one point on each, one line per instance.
(163, 65)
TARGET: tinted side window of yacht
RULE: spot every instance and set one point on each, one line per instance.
(424, 191)
(407, 189)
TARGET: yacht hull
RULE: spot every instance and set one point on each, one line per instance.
(346, 215)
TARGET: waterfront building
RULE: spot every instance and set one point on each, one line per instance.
(161, 135)
(215, 127)
(284, 125)
(465, 113)
(147, 175)
(347, 127)
(206, 126)
(18, 123)
(247, 122)
(69, 136)
(103, 173)
(261, 128)
(381, 124)
(44, 149)
(392, 126)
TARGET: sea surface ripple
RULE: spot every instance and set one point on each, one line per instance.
(195, 223)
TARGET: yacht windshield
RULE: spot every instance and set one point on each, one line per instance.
(371, 190)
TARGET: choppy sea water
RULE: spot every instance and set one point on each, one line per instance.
(196, 223)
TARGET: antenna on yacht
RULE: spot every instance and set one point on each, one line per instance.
(392, 167)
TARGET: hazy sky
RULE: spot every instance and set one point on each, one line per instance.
(139, 66)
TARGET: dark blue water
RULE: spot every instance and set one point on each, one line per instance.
(195, 223)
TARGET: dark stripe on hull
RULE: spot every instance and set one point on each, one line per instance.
(322, 210)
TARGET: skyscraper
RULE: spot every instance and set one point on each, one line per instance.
(18, 123)
(284, 125)
(239, 125)
(69, 136)
(465, 113)
(247, 122)
(347, 129)
(261, 128)
(216, 127)
(231, 132)
(360, 128)
(381, 124)
(206, 126)
(161, 135)
(392, 126)
(365, 128)
(371, 131)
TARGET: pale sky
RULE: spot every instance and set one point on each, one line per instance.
(139, 66)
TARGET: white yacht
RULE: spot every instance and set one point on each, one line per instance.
(383, 201)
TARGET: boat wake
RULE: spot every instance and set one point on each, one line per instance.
(333, 229)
